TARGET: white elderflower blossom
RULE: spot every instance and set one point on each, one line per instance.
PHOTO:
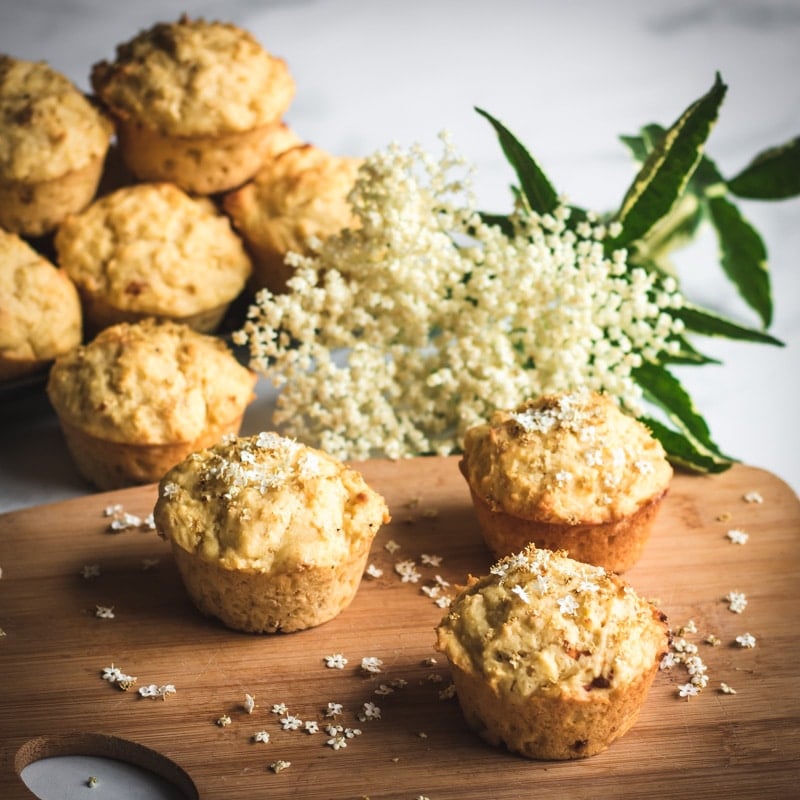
(397, 335)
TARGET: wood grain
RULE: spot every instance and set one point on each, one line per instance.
(715, 745)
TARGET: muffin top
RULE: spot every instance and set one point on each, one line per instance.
(195, 78)
(301, 193)
(47, 126)
(149, 383)
(543, 622)
(40, 314)
(151, 248)
(571, 458)
(268, 503)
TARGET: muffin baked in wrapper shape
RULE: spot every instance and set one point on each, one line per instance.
(140, 397)
(268, 535)
(550, 657)
(566, 472)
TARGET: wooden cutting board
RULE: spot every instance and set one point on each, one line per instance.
(55, 701)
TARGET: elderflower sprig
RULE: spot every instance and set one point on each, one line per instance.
(398, 334)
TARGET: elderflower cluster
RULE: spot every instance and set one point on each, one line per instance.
(400, 333)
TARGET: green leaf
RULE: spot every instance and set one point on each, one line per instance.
(541, 196)
(682, 451)
(772, 175)
(637, 145)
(705, 322)
(743, 256)
(688, 355)
(668, 167)
(663, 388)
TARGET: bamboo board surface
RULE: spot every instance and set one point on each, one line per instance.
(54, 700)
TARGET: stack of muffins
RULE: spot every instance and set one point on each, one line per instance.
(160, 199)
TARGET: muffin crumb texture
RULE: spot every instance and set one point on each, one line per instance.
(268, 535)
(551, 657)
(195, 77)
(267, 502)
(150, 383)
(573, 458)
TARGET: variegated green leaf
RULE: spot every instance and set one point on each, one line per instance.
(541, 196)
(683, 452)
(705, 322)
(663, 389)
(743, 256)
(668, 168)
(771, 175)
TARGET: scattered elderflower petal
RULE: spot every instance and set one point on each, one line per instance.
(737, 602)
(373, 572)
(753, 497)
(371, 664)
(746, 640)
(391, 546)
(369, 711)
(291, 722)
(430, 560)
(407, 570)
(568, 605)
(688, 690)
(335, 661)
(249, 703)
(725, 689)
(224, 721)
(90, 571)
(104, 612)
(737, 536)
(333, 710)
(280, 766)
(153, 690)
(311, 726)
(337, 742)
(448, 693)
(279, 708)
(261, 736)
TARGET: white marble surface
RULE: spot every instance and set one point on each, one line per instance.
(567, 78)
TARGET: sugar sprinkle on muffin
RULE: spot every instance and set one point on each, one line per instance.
(551, 657)
(569, 472)
(269, 535)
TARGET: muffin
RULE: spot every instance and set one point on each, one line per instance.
(141, 396)
(151, 250)
(300, 194)
(40, 311)
(53, 143)
(194, 102)
(268, 535)
(552, 658)
(566, 472)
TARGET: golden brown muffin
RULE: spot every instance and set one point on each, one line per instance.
(40, 311)
(194, 102)
(551, 657)
(53, 142)
(268, 535)
(568, 472)
(300, 194)
(150, 250)
(140, 397)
